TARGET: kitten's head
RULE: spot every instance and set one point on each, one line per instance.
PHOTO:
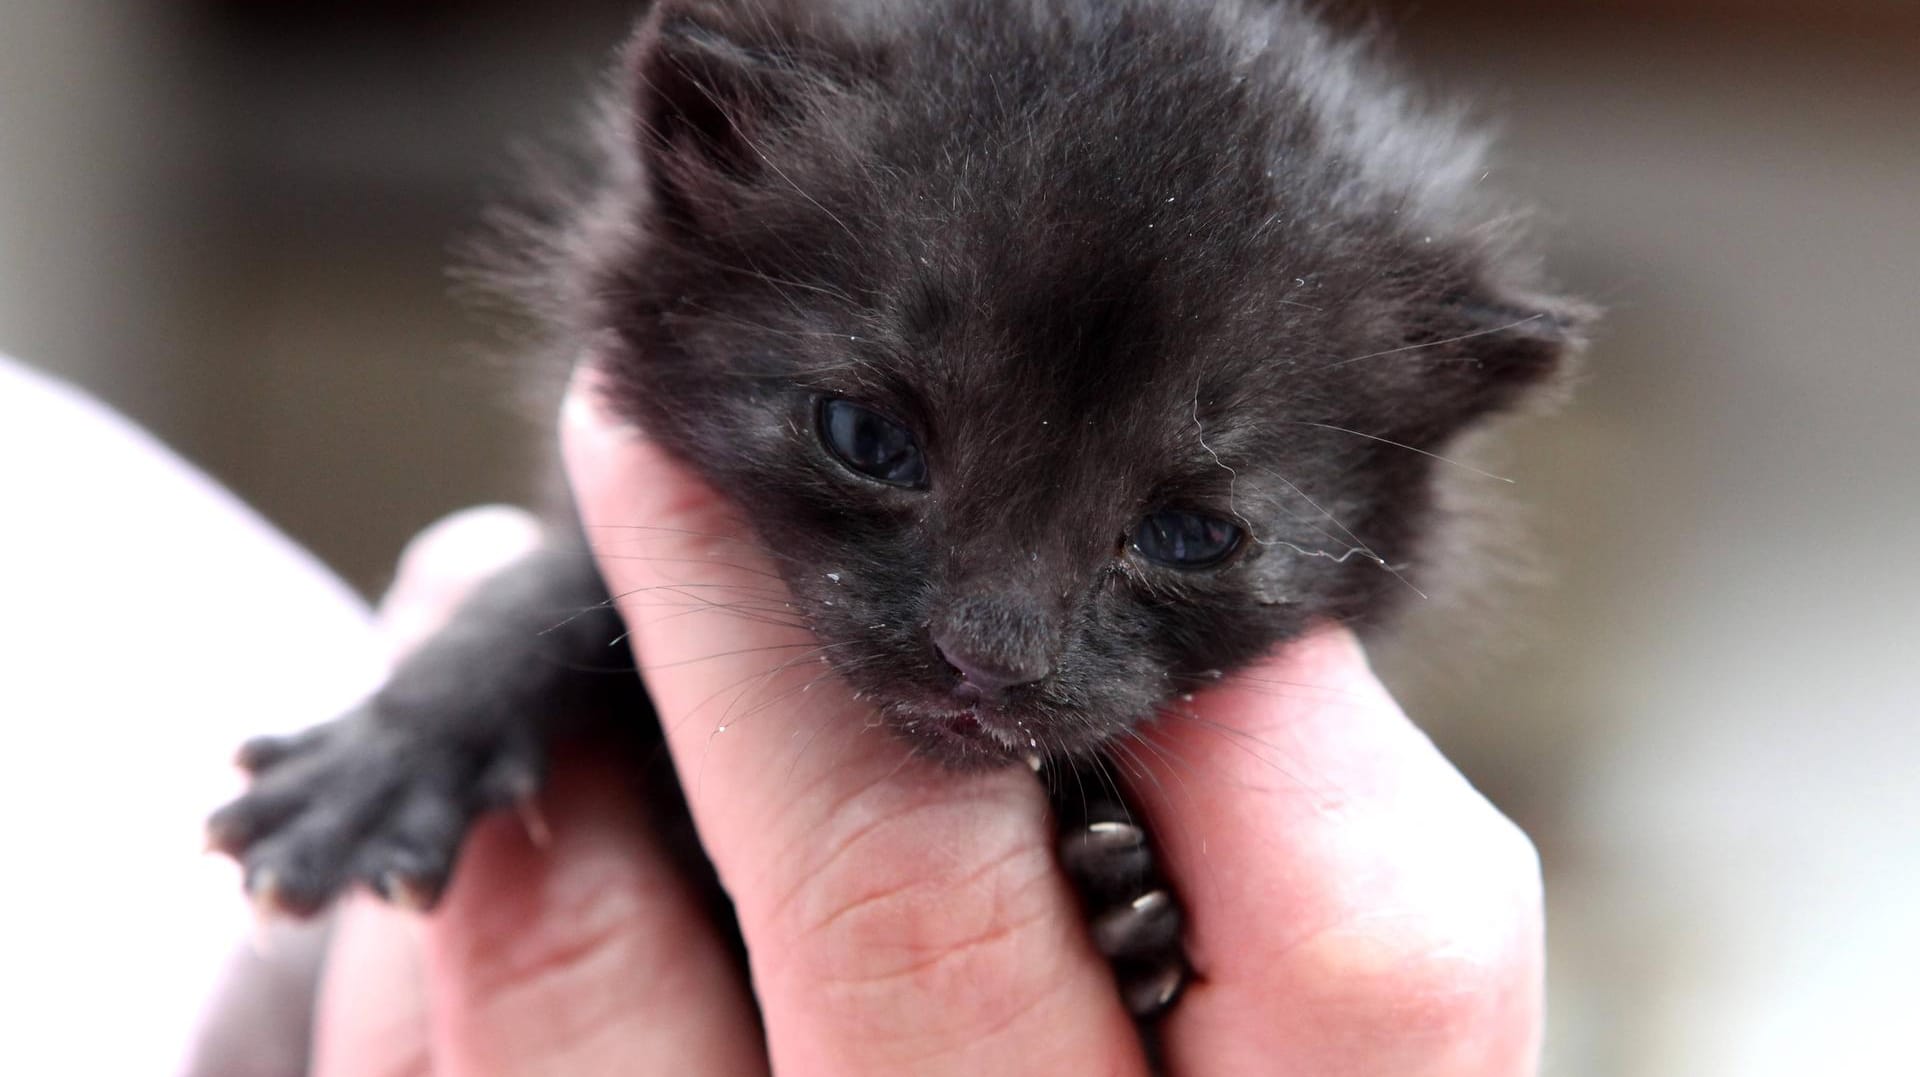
(1067, 354)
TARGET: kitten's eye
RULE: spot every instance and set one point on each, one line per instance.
(1185, 539)
(872, 444)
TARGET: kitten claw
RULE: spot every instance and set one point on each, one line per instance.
(1146, 924)
(366, 799)
(213, 840)
(258, 754)
(1111, 835)
(1107, 856)
(533, 821)
(269, 897)
(1151, 995)
(1134, 919)
(404, 893)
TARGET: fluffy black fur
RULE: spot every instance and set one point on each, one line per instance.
(1102, 258)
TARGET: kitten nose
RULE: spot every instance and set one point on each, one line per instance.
(985, 678)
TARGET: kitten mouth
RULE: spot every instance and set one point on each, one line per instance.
(966, 724)
(968, 735)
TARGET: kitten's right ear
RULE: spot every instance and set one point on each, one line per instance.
(713, 85)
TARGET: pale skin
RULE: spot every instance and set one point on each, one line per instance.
(1354, 906)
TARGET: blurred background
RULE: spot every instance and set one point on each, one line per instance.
(232, 220)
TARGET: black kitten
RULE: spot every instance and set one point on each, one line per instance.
(1069, 351)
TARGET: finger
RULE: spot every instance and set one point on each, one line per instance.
(588, 956)
(1355, 906)
(371, 1020)
(898, 918)
(371, 1015)
(443, 563)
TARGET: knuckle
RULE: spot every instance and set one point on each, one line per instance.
(1411, 993)
(1441, 971)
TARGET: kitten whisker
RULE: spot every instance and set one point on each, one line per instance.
(754, 610)
(713, 562)
(1436, 343)
(655, 667)
(749, 541)
(770, 618)
(1400, 445)
(1246, 743)
(814, 733)
(741, 688)
(1351, 537)
(770, 614)
(738, 684)
(1129, 747)
(1342, 695)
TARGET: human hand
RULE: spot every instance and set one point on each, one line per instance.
(1353, 906)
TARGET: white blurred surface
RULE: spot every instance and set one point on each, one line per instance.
(151, 622)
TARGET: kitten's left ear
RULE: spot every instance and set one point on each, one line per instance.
(717, 83)
(1480, 350)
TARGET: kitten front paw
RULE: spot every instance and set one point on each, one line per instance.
(363, 799)
(1133, 915)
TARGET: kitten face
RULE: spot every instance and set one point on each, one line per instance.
(1067, 354)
